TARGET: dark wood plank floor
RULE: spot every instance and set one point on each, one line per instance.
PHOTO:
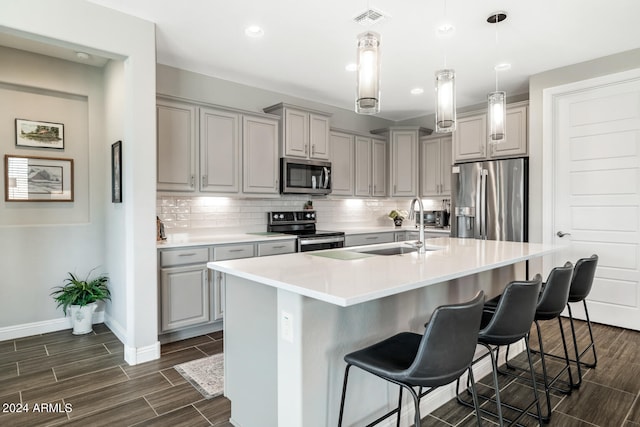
(89, 375)
(608, 396)
(83, 380)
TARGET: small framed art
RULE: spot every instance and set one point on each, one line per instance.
(116, 172)
(38, 179)
(30, 133)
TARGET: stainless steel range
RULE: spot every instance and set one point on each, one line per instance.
(303, 224)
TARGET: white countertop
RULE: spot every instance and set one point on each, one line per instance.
(349, 282)
(220, 237)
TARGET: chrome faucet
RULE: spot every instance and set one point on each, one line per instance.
(420, 243)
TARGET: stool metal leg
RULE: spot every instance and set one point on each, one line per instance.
(592, 345)
(344, 392)
(399, 406)
(575, 347)
(474, 393)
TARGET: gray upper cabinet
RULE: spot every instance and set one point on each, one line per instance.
(403, 160)
(260, 155)
(216, 150)
(379, 168)
(370, 167)
(219, 151)
(304, 133)
(435, 166)
(342, 164)
(470, 137)
(177, 146)
(404, 163)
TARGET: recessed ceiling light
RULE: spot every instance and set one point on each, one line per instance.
(83, 55)
(417, 91)
(351, 67)
(496, 17)
(254, 31)
(502, 67)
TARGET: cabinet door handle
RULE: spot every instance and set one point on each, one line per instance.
(193, 180)
(306, 149)
(372, 238)
(278, 247)
(189, 254)
(204, 180)
(236, 250)
(313, 149)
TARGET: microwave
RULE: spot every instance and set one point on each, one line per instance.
(439, 218)
(298, 176)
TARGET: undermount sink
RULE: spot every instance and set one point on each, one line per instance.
(395, 250)
(390, 251)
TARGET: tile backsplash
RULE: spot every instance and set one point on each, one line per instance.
(197, 212)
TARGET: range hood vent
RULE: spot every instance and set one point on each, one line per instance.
(370, 16)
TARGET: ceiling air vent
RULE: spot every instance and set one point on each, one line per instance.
(370, 16)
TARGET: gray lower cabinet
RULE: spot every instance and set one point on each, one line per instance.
(368, 239)
(276, 248)
(185, 297)
(185, 289)
(223, 253)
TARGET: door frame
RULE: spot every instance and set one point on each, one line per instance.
(550, 99)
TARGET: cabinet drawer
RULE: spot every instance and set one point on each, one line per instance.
(184, 256)
(276, 248)
(368, 239)
(221, 253)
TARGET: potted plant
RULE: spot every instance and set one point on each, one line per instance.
(80, 297)
(397, 217)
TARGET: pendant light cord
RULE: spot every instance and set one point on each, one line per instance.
(496, 71)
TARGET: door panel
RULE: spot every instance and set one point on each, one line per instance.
(596, 146)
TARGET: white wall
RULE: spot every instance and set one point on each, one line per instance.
(42, 241)
(81, 25)
(114, 212)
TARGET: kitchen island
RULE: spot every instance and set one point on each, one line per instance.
(290, 319)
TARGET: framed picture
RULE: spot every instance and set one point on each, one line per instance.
(39, 134)
(37, 179)
(116, 172)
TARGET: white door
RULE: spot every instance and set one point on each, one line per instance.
(596, 190)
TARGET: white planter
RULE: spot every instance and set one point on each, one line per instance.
(82, 318)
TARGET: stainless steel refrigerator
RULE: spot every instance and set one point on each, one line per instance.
(489, 200)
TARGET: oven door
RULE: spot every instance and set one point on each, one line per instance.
(306, 244)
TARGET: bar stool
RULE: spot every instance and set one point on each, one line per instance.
(553, 299)
(431, 360)
(507, 323)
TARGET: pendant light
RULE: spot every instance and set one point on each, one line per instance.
(445, 87)
(497, 101)
(368, 84)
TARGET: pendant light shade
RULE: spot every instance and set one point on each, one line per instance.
(368, 85)
(497, 116)
(445, 101)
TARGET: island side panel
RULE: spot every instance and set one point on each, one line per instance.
(311, 369)
(250, 352)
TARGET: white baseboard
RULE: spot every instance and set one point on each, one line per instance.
(132, 355)
(136, 355)
(43, 327)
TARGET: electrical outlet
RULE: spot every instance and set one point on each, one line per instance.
(286, 321)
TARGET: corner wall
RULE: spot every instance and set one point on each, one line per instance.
(81, 25)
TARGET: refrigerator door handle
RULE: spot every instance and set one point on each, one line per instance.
(483, 204)
(478, 210)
